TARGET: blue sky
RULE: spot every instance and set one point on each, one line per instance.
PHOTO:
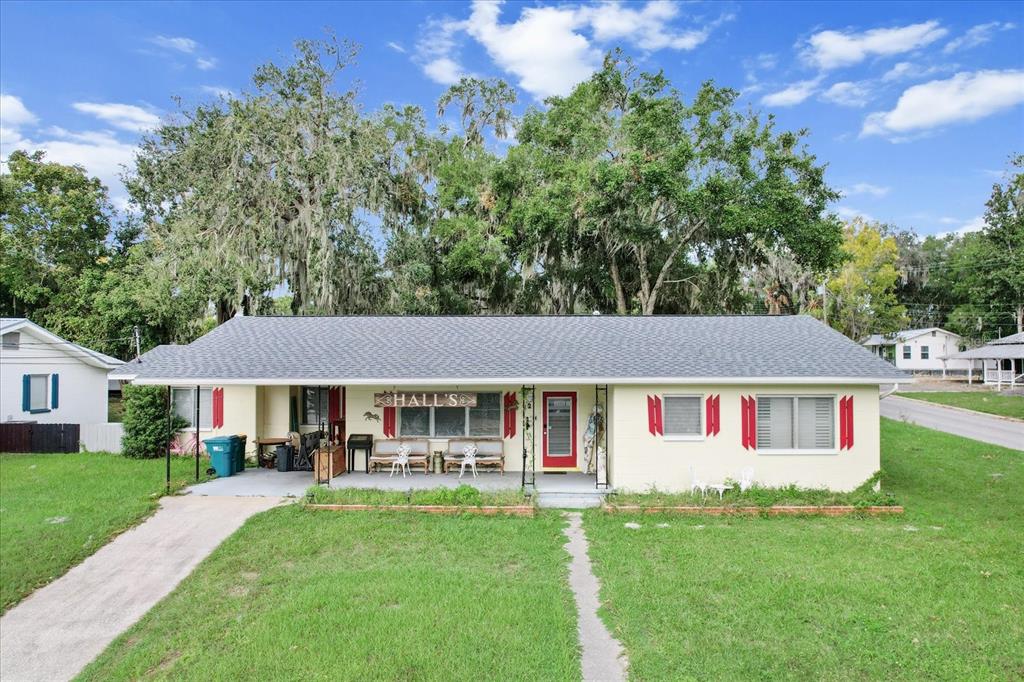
(914, 106)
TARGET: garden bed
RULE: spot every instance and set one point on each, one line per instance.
(774, 510)
(462, 500)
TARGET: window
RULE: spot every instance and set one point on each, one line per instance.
(183, 404)
(11, 340)
(484, 420)
(906, 352)
(38, 398)
(788, 423)
(315, 404)
(924, 352)
(682, 415)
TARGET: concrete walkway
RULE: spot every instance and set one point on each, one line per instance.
(602, 654)
(60, 628)
(976, 425)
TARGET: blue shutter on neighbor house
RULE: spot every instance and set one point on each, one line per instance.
(26, 392)
(54, 390)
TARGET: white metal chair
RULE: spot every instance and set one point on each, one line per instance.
(746, 479)
(696, 483)
(401, 460)
(469, 459)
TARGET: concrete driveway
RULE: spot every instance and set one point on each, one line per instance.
(976, 425)
(60, 628)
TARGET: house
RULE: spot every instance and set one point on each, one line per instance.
(680, 396)
(925, 350)
(1002, 361)
(47, 379)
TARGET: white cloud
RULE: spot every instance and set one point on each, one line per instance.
(792, 94)
(849, 213)
(976, 35)
(834, 49)
(14, 113)
(180, 44)
(218, 90)
(443, 70)
(909, 70)
(396, 47)
(848, 94)
(975, 224)
(543, 48)
(206, 64)
(646, 28)
(124, 116)
(865, 188)
(99, 152)
(964, 97)
(551, 49)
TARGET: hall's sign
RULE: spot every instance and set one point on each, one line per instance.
(410, 399)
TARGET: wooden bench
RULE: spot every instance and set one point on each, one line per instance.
(489, 452)
(385, 450)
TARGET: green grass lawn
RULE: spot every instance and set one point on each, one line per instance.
(937, 593)
(993, 403)
(303, 594)
(57, 509)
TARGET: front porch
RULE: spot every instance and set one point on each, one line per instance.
(558, 490)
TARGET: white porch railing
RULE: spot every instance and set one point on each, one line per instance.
(101, 437)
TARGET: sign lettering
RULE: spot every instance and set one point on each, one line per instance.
(428, 399)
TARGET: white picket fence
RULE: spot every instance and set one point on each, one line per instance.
(101, 437)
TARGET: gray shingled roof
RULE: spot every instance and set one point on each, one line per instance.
(539, 348)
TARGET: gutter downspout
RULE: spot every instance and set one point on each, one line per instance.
(895, 387)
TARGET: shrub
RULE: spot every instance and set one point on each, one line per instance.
(145, 422)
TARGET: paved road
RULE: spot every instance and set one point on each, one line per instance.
(60, 628)
(983, 427)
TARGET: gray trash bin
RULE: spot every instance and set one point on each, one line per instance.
(284, 457)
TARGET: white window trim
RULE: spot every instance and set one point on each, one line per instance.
(47, 379)
(684, 437)
(834, 450)
(465, 425)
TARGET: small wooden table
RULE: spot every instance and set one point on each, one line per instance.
(260, 442)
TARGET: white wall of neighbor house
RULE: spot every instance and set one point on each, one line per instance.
(939, 344)
(82, 388)
(641, 461)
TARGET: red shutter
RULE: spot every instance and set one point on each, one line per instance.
(752, 408)
(658, 425)
(709, 415)
(651, 424)
(218, 408)
(849, 422)
(718, 414)
(389, 422)
(510, 415)
(842, 422)
(333, 404)
(745, 418)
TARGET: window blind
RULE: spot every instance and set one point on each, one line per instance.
(774, 423)
(681, 415)
(815, 422)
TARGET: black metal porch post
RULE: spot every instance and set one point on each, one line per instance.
(167, 443)
(197, 434)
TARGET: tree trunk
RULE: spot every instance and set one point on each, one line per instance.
(225, 310)
(620, 294)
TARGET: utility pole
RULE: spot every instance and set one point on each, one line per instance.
(138, 343)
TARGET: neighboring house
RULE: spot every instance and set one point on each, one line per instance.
(785, 395)
(44, 378)
(1002, 361)
(919, 350)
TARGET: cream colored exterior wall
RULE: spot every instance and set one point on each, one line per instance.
(640, 461)
(241, 410)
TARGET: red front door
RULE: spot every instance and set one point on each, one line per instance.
(559, 429)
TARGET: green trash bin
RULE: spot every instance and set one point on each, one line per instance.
(221, 455)
(240, 454)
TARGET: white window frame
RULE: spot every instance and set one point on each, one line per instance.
(326, 409)
(684, 437)
(908, 352)
(46, 394)
(834, 450)
(465, 424)
(204, 405)
(926, 353)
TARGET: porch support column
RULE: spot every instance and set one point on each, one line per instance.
(529, 435)
(167, 443)
(602, 453)
(197, 434)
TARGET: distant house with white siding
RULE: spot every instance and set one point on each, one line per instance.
(47, 379)
(920, 350)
